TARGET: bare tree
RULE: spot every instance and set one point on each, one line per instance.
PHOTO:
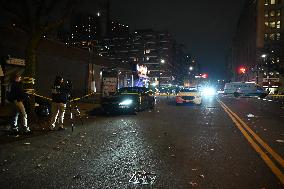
(37, 18)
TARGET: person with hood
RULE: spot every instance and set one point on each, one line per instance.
(17, 96)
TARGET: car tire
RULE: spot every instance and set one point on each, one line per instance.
(236, 94)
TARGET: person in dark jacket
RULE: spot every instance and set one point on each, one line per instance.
(17, 96)
(59, 100)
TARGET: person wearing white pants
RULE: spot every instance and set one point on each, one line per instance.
(16, 95)
(59, 100)
(58, 111)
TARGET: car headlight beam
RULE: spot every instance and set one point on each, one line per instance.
(209, 91)
(126, 102)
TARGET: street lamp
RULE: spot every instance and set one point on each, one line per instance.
(162, 61)
(263, 57)
(190, 68)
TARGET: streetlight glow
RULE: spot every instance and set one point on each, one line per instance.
(162, 61)
(190, 68)
(263, 56)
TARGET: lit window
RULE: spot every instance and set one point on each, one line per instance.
(278, 36)
(272, 13)
(272, 2)
(266, 2)
(266, 13)
(278, 12)
(272, 24)
(278, 24)
(266, 23)
(272, 36)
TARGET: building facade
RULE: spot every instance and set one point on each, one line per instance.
(153, 49)
(257, 50)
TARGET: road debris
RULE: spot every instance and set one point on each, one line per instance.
(193, 184)
(56, 148)
(38, 166)
(77, 176)
(142, 177)
(250, 115)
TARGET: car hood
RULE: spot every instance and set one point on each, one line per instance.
(188, 94)
(118, 98)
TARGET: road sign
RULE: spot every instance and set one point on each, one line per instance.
(16, 61)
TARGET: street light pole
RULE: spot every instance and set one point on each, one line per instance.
(263, 56)
(162, 61)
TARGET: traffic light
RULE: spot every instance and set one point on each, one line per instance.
(242, 70)
(204, 76)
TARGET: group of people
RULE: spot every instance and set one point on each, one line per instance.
(61, 93)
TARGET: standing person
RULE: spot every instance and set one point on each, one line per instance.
(17, 96)
(59, 100)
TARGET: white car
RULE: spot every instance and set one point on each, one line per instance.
(189, 95)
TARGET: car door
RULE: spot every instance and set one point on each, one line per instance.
(144, 100)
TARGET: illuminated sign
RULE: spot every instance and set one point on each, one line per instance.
(142, 70)
(16, 61)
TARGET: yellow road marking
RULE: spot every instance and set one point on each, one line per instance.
(276, 156)
(255, 146)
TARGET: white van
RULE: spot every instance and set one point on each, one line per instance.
(244, 89)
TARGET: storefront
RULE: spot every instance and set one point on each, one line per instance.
(271, 85)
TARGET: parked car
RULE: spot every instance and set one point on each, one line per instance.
(129, 100)
(189, 95)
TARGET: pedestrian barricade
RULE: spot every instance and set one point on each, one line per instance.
(279, 98)
(43, 107)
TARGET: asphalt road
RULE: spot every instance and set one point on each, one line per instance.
(175, 146)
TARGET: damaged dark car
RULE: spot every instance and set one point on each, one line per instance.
(129, 100)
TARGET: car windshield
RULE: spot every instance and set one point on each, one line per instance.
(189, 90)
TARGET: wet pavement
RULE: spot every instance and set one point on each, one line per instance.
(168, 147)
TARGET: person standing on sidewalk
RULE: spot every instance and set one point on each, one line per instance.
(59, 100)
(17, 96)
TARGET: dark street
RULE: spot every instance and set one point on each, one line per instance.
(181, 146)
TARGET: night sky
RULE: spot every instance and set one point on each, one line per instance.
(206, 27)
